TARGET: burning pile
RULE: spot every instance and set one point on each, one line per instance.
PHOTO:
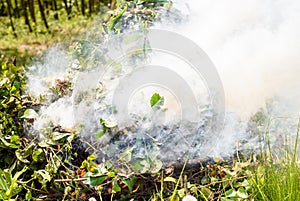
(77, 91)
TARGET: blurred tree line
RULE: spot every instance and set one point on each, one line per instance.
(30, 10)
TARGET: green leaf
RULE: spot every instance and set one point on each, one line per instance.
(242, 193)
(107, 124)
(14, 188)
(91, 157)
(116, 188)
(7, 144)
(156, 165)
(94, 181)
(13, 89)
(36, 154)
(21, 157)
(28, 195)
(111, 174)
(56, 136)
(8, 176)
(156, 100)
(231, 193)
(104, 129)
(43, 176)
(15, 139)
(141, 166)
(4, 183)
(29, 114)
(206, 192)
(84, 164)
(99, 134)
(130, 183)
(170, 179)
(205, 180)
(181, 193)
(115, 18)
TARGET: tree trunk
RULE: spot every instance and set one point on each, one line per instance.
(55, 9)
(68, 8)
(16, 10)
(91, 6)
(43, 14)
(46, 6)
(2, 9)
(32, 10)
(77, 6)
(82, 7)
(24, 6)
(10, 17)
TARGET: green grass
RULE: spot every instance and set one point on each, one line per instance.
(32, 44)
(278, 178)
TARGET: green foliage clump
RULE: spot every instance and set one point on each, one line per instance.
(11, 108)
(137, 14)
(277, 176)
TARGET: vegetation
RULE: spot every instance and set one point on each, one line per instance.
(29, 10)
(277, 178)
(29, 27)
(58, 167)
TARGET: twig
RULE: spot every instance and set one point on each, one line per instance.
(90, 146)
(61, 162)
(225, 180)
(70, 180)
(38, 190)
(185, 184)
(78, 180)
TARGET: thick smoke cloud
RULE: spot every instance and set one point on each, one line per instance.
(254, 44)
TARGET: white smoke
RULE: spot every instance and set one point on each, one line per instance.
(254, 44)
(42, 75)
